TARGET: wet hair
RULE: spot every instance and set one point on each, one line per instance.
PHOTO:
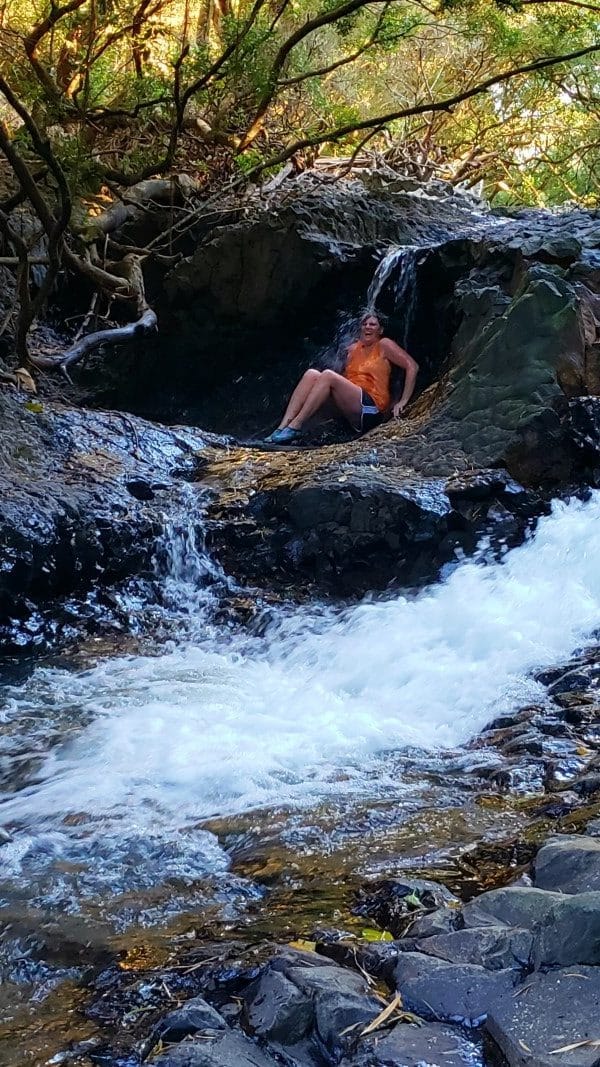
(370, 313)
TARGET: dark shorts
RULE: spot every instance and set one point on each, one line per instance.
(370, 415)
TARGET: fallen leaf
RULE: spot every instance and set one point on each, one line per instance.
(383, 1016)
(524, 1046)
(576, 1044)
(34, 406)
(304, 946)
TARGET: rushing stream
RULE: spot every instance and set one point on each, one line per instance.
(116, 766)
(147, 792)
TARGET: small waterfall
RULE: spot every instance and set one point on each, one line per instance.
(398, 271)
(187, 573)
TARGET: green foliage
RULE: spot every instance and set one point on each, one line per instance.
(532, 139)
(248, 160)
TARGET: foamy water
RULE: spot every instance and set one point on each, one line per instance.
(151, 745)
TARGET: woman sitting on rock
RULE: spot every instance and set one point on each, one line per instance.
(361, 394)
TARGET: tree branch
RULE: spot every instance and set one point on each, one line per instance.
(446, 104)
(32, 42)
(326, 18)
(345, 60)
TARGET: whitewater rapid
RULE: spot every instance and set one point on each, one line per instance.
(213, 728)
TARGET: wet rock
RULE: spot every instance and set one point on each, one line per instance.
(587, 785)
(569, 933)
(301, 994)
(391, 902)
(69, 520)
(568, 864)
(493, 947)
(410, 1046)
(228, 1049)
(276, 1009)
(552, 1011)
(576, 681)
(194, 1016)
(526, 744)
(519, 906)
(451, 992)
(585, 417)
(377, 958)
(593, 828)
(440, 921)
(338, 1017)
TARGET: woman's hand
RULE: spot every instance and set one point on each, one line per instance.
(398, 409)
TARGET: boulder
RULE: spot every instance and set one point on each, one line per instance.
(340, 1017)
(493, 947)
(69, 519)
(440, 921)
(519, 906)
(551, 1012)
(450, 992)
(193, 1017)
(570, 932)
(228, 1049)
(277, 1010)
(568, 864)
(301, 995)
(413, 1046)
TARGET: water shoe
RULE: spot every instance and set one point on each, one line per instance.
(285, 436)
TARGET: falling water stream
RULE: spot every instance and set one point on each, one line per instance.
(142, 789)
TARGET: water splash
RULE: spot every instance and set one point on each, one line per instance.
(398, 271)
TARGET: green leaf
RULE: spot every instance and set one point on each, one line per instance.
(370, 934)
(34, 406)
(413, 900)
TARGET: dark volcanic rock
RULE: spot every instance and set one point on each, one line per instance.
(553, 1011)
(570, 932)
(194, 1016)
(451, 992)
(440, 921)
(568, 864)
(277, 1009)
(493, 947)
(520, 906)
(69, 519)
(301, 995)
(228, 1049)
(411, 1046)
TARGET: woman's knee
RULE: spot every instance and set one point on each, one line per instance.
(329, 376)
(311, 375)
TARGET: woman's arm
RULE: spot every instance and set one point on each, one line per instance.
(400, 358)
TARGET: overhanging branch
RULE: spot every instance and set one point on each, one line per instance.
(447, 104)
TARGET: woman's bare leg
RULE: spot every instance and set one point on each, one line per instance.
(346, 396)
(300, 396)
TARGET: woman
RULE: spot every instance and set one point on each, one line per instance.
(361, 394)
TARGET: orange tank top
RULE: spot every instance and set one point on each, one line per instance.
(370, 370)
